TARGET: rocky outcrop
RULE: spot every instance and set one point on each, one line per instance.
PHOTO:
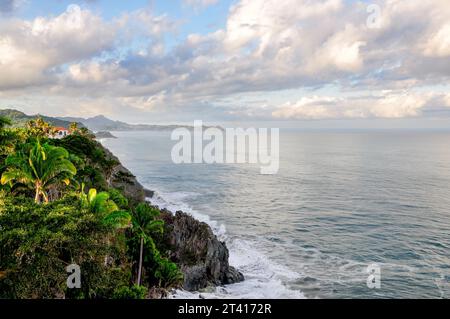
(121, 178)
(104, 134)
(202, 258)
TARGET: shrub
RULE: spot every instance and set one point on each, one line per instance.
(118, 198)
(37, 242)
(134, 292)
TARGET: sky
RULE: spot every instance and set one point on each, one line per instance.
(308, 63)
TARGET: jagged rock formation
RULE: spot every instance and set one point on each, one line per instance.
(121, 178)
(202, 257)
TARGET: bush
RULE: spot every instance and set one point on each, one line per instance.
(168, 274)
(37, 242)
(134, 292)
(118, 198)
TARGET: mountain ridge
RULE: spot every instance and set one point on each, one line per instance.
(102, 123)
(20, 118)
(99, 123)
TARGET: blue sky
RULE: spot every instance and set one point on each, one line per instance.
(291, 61)
(197, 19)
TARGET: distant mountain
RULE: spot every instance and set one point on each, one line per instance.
(102, 123)
(98, 123)
(19, 119)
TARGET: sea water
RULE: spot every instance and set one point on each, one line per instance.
(340, 202)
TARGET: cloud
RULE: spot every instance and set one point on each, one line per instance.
(388, 105)
(265, 46)
(8, 6)
(32, 51)
(47, 51)
(438, 44)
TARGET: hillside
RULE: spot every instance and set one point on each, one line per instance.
(102, 123)
(20, 119)
(98, 123)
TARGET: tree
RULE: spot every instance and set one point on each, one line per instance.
(4, 122)
(4, 136)
(39, 167)
(38, 242)
(144, 225)
(73, 127)
(101, 204)
(39, 128)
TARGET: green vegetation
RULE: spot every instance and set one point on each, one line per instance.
(20, 119)
(4, 122)
(144, 226)
(39, 167)
(58, 207)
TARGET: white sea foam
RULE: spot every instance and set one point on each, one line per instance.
(264, 279)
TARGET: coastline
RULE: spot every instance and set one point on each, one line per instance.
(201, 256)
(265, 277)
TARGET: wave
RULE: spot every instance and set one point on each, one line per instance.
(264, 278)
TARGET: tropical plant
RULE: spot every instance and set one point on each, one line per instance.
(102, 205)
(118, 198)
(131, 293)
(73, 128)
(38, 242)
(168, 273)
(39, 167)
(144, 225)
(38, 128)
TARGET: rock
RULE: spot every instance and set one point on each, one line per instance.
(121, 178)
(157, 293)
(233, 276)
(148, 193)
(203, 259)
(105, 134)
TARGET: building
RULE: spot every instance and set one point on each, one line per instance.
(61, 132)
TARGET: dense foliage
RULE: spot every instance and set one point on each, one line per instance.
(58, 207)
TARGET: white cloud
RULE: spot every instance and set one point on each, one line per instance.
(387, 105)
(265, 46)
(439, 43)
(31, 49)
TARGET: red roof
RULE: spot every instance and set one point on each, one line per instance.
(61, 129)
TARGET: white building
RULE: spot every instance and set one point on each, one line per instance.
(61, 132)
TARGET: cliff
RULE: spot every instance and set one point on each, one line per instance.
(203, 259)
(192, 245)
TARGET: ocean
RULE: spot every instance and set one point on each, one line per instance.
(341, 201)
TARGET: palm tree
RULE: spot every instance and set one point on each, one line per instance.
(101, 204)
(39, 167)
(73, 128)
(145, 224)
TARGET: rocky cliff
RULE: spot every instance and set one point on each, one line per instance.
(202, 258)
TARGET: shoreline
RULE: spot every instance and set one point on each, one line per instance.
(201, 256)
(265, 278)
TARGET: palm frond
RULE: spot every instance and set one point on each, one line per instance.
(118, 219)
